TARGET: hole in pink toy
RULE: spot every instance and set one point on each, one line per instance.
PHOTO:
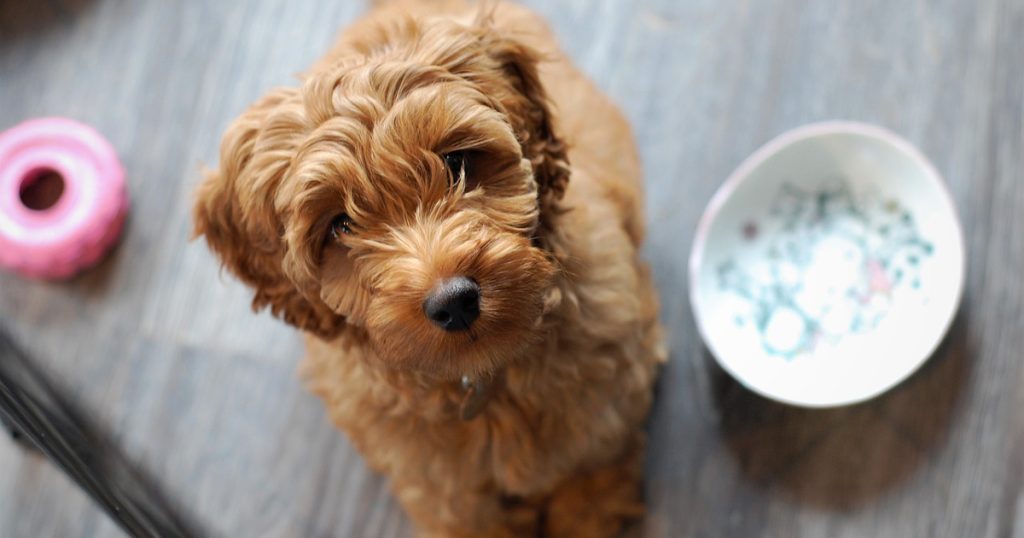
(41, 189)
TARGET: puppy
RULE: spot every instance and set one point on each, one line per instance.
(452, 214)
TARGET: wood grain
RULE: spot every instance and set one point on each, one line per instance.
(165, 353)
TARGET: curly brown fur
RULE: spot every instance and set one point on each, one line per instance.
(546, 219)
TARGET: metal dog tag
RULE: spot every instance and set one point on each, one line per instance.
(478, 393)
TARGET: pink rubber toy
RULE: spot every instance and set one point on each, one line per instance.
(85, 219)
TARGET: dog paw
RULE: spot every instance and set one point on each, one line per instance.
(597, 504)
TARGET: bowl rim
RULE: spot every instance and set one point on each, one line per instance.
(755, 160)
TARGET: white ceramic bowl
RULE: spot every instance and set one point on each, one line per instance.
(829, 266)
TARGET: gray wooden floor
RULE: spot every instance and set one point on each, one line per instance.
(165, 353)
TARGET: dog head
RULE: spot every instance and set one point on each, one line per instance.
(404, 191)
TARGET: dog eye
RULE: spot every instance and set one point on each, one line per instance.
(341, 224)
(456, 163)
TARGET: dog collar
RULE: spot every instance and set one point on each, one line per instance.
(477, 394)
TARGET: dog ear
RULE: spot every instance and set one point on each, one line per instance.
(533, 117)
(234, 210)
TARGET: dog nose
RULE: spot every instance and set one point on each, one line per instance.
(454, 304)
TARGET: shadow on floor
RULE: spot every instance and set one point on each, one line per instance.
(21, 19)
(839, 459)
(39, 415)
(96, 281)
